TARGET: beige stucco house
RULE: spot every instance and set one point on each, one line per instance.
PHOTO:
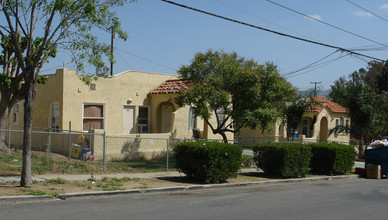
(315, 126)
(129, 104)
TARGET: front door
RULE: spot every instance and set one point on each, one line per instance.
(128, 119)
(323, 132)
(166, 118)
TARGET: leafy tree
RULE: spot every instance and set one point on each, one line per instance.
(371, 76)
(237, 91)
(11, 83)
(380, 124)
(382, 83)
(338, 91)
(360, 101)
(359, 98)
(34, 29)
(292, 113)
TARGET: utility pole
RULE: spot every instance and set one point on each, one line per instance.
(315, 89)
(111, 52)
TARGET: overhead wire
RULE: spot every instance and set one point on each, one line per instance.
(310, 65)
(333, 26)
(146, 59)
(260, 18)
(52, 68)
(271, 31)
(319, 66)
(125, 61)
(358, 6)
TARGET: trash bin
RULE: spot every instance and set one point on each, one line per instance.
(378, 156)
(76, 150)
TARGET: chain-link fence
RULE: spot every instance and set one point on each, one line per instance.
(66, 143)
(251, 141)
(145, 152)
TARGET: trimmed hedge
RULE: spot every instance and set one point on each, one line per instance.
(332, 158)
(209, 162)
(286, 160)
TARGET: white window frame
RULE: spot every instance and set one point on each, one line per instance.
(305, 127)
(192, 119)
(103, 113)
(15, 113)
(143, 128)
(221, 117)
(53, 123)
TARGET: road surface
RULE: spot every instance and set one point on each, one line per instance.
(336, 199)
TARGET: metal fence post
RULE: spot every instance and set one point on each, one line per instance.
(167, 153)
(9, 135)
(90, 138)
(49, 136)
(69, 139)
(104, 151)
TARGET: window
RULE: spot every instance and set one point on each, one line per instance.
(337, 123)
(15, 113)
(55, 115)
(347, 122)
(92, 86)
(221, 117)
(305, 126)
(142, 120)
(192, 120)
(342, 121)
(93, 117)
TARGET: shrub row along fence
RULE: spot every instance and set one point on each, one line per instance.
(296, 160)
(208, 162)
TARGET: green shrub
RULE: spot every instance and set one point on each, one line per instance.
(332, 158)
(209, 162)
(286, 160)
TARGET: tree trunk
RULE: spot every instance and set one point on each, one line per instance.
(224, 137)
(3, 132)
(26, 178)
(360, 148)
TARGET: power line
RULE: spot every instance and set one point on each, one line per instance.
(52, 68)
(310, 65)
(319, 66)
(367, 10)
(268, 30)
(146, 59)
(333, 26)
(124, 60)
(255, 16)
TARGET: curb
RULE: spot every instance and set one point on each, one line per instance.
(25, 199)
(20, 199)
(201, 187)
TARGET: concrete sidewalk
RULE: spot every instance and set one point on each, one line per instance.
(82, 177)
(193, 187)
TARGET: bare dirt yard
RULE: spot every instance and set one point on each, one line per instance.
(58, 165)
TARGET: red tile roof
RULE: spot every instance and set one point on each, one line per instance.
(171, 86)
(332, 106)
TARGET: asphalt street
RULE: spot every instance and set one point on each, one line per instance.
(336, 199)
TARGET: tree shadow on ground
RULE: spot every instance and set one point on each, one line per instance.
(180, 179)
(259, 174)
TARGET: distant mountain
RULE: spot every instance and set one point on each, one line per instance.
(323, 93)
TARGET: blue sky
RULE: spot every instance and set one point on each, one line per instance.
(163, 37)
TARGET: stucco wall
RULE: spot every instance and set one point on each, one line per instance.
(113, 93)
(250, 136)
(180, 119)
